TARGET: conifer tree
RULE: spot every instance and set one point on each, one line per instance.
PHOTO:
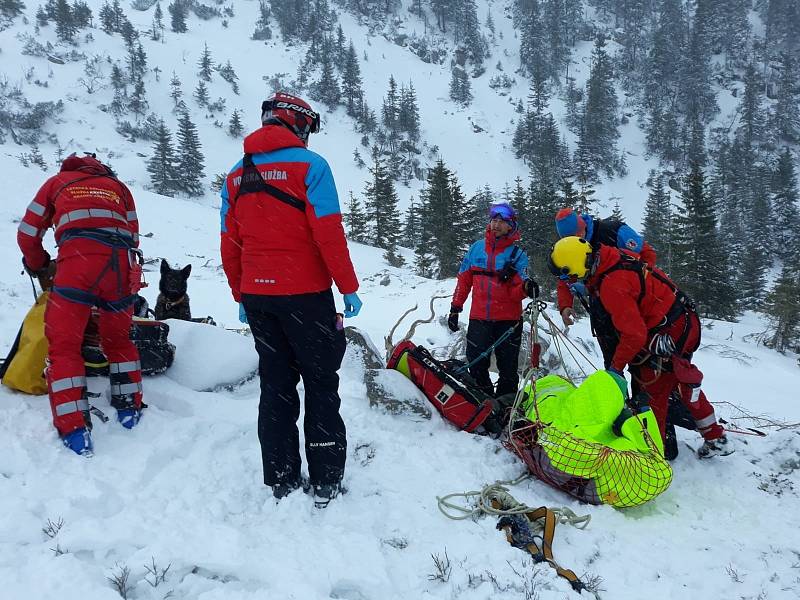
(355, 219)
(235, 127)
(191, 162)
(228, 74)
(380, 199)
(327, 88)
(785, 117)
(408, 112)
(783, 309)
(158, 23)
(120, 103)
(201, 93)
(175, 92)
(600, 131)
(138, 100)
(657, 224)
(785, 199)
(11, 8)
(753, 267)
(460, 87)
(699, 261)
(178, 12)
(351, 80)
(412, 226)
(443, 241)
(205, 64)
(65, 23)
(161, 165)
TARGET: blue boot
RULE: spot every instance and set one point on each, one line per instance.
(129, 417)
(79, 441)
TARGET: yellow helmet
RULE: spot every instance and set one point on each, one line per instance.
(570, 256)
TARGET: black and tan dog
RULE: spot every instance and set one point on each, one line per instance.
(173, 299)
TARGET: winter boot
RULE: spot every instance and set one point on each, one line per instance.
(79, 441)
(127, 413)
(324, 493)
(718, 447)
(670, 442)
(281, 490)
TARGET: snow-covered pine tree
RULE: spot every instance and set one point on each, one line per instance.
(201, 93)
(235, 127)
(380, 200)
(190, 159)
(657, 223)
(785, 116)
(11, 8)
(227, 73)
(352, 89)
(175, 92)
(355, 220)
(460, 87)
(412, 225)
(700, 263)
(205, 64)
(178, 11)
(157, 29)
(161, 165)
(785, 199)
(138, 100)
(326, 89)
(755, 261)
(66, 27)
(782, 306)
(600, 128)
(443, 242)
(262, 30)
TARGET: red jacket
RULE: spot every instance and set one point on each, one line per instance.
(83, 195)
(273, 247)
(492, 299)
(619, 290)
(565, 297)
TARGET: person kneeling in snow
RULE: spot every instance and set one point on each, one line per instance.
(97, 233)
(495, 270)
(657, 326)
(282, 246)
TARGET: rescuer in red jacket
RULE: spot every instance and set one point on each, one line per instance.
(657, 326)
(97, 233)
(283, 246)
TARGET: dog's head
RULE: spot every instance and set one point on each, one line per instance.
(173, 281)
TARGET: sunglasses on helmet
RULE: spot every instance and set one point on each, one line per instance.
(279, 104)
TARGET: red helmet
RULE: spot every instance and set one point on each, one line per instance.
(292, 112)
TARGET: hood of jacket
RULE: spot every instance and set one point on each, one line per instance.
(269, 138)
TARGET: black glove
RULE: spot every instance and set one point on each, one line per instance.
(531, 288)
(452, 321)
(38, 272)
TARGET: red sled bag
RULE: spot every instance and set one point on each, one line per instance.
(467, 408)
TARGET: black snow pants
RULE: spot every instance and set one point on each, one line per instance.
(480, 336)
(296, 337)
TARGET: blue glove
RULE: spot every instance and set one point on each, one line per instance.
(352, 305)
(620, 380)
(578, 288)
(242, 313)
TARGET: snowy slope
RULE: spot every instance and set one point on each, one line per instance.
(184, 487)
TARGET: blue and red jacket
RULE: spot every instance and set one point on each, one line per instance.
(271, 247)
(492, 299)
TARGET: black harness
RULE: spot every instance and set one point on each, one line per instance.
(252, 182)
(508, 270)
(602, 326)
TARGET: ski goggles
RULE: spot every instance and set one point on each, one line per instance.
(506, 213)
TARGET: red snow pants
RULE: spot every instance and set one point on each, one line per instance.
(660, 384)
(83, 280)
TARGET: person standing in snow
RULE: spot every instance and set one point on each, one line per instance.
(596, 231)
(495, 271)
(282, 246)
(656, 324)
(97, 233)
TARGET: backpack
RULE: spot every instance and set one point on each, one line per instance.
(465, 406)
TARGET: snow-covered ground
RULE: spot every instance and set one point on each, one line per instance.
(184, 487)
